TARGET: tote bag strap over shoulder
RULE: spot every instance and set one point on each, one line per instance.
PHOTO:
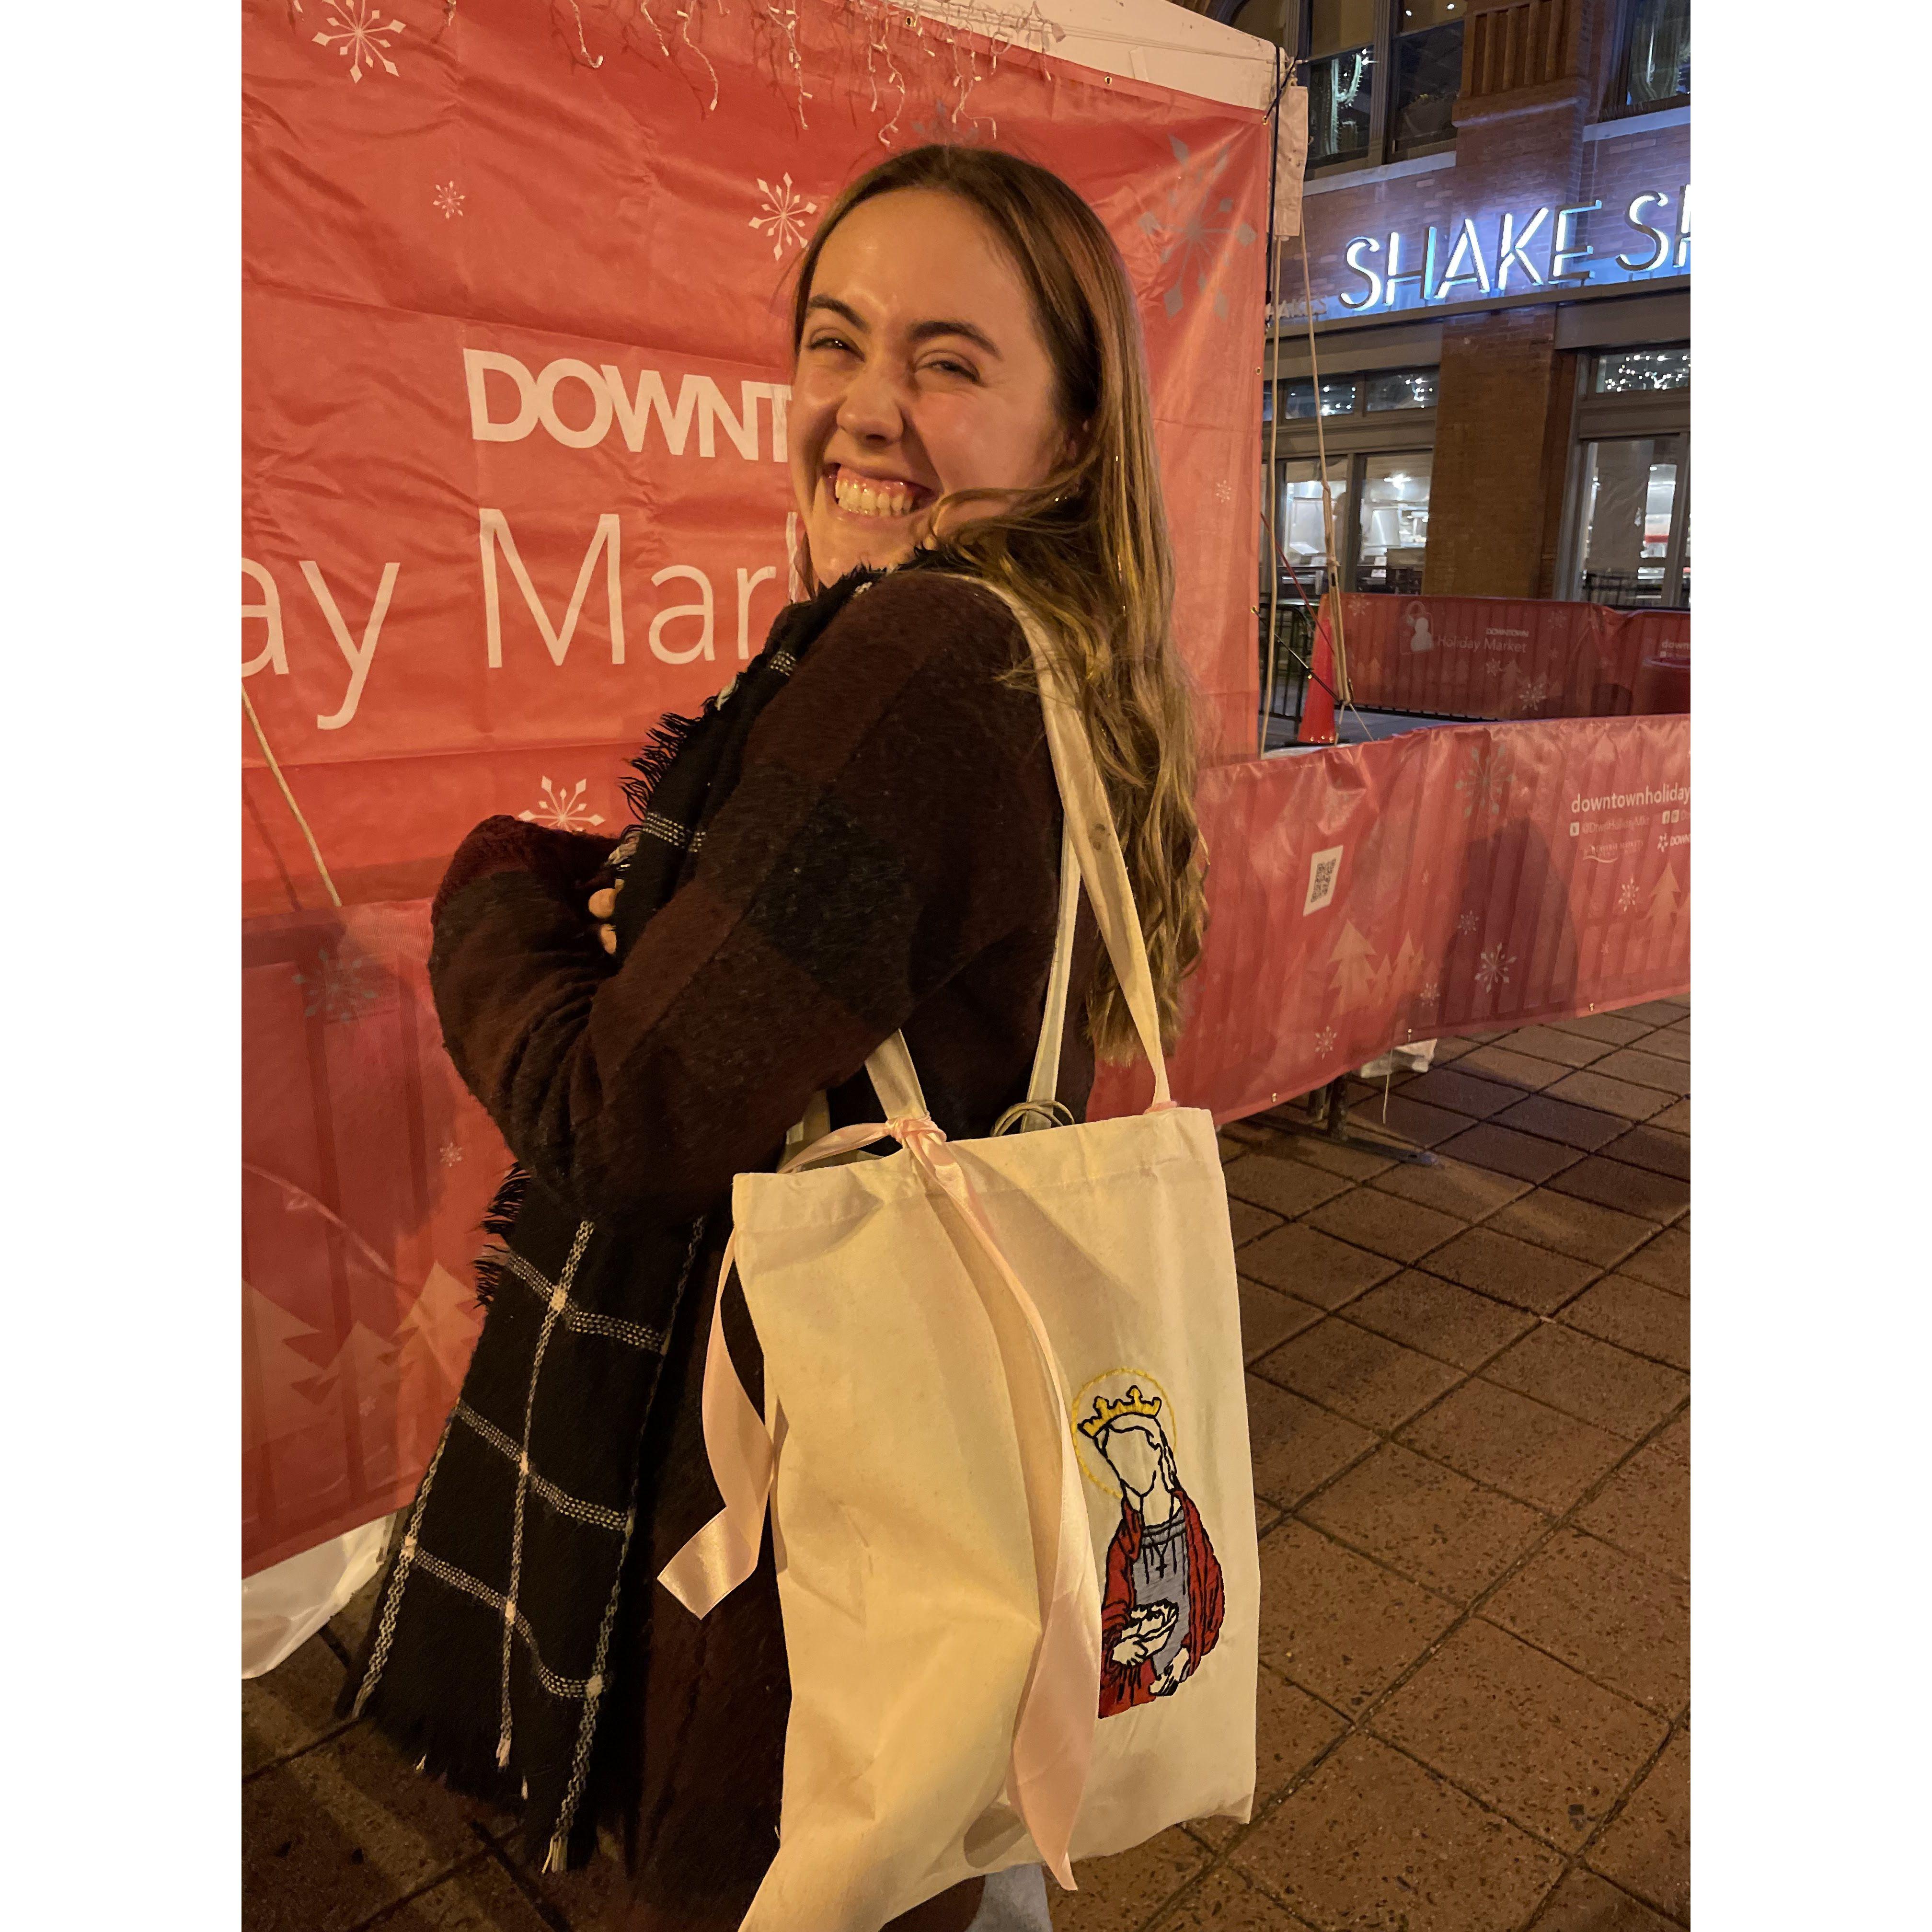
(1090, 852)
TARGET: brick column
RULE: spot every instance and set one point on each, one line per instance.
(1502, 423)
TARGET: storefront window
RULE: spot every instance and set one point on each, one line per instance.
(1428, 70)
(1303, 538)
(1617, 370)
(1338, 398)
(1403, 389)
(1629, 495)
(1395, 522)
(1657, 56)
(1341, 78)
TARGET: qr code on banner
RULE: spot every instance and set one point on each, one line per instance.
(1322, 869)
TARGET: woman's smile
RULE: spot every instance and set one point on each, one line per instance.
(861, 493)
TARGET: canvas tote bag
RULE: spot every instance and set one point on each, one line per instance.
(1006, 1453)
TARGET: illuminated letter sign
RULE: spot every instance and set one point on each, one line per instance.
(1563, 259)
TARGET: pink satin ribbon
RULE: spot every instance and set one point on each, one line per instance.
(1053, 1737)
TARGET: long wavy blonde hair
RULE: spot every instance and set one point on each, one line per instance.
(1086, 548)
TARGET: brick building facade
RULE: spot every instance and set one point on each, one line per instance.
(1498, 269)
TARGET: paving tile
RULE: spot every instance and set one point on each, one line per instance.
(1644, 1508)
(1250, 1223)
(1373, 1843)
(1507, 1269)
(1448, 1050)
(1463, 1092)
(1269, 1318)
(1580, 1229)
(1672, 1042)
(1524, 1072)
(1589, 1088)
(1643, 1068)
(1342, 1627)
(596, 1895)
(1585, 1377)
(1675, 1119)
(1332, 1156)
(1657, 1012)
(1655, 1148)
(1267, 1515)
(1646, 1320)
(1364, 1376)
(1254, 1132)
(1451, 1187)
(1524, 1447)
(1385, 1224)
(1664, 1262)
(1118, 1893)
(1503, 1150)
(343, 1830)
(1549, 1749)
(481, 1897)
(1427, 1521)
(1555, 1043)
(1585, 1127)
(1620, 1621)
(1442, 1319)
(1613, 1029)
(1284, 1187)
(1302, 1261)
(1585, 1903)
(1647, 1849)
(1231, 1148)
(1296, 1446)
(288, 1708)
(1630, 1190)
(1415, 1121)
(1224, 1902)
(1291, 1730)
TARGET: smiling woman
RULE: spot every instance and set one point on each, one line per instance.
(861, 835)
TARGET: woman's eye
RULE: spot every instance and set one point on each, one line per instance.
(829, 342)
(947, 366)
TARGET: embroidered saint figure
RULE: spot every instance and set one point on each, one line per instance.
(1161, 1613)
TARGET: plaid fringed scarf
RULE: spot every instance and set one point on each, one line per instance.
(491, 1649)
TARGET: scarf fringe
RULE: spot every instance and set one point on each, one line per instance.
(660, 748)
(500, 1223)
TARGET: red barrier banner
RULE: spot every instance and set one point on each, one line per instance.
(1499, 657)
(514, 382)
(1461, 880)
(1452, 880)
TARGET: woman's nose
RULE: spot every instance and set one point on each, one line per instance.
(871, 410)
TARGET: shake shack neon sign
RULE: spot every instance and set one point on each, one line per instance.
(1518, 251)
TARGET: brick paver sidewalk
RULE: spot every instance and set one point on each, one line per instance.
(1469, 1403)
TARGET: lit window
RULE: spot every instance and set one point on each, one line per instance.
(1619, 370)
(1403, 389)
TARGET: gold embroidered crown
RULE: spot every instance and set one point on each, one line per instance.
(1105, 1413)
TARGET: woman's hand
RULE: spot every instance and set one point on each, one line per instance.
(602, 905)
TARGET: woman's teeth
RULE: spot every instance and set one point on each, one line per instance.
(872, 499)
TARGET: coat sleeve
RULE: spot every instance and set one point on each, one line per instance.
(894, 817)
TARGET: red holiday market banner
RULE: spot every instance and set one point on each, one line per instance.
(1498, 658)
(515, 353)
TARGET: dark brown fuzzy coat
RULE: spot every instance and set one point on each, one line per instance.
(888, 860)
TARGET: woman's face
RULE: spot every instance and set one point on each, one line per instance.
(920, 371)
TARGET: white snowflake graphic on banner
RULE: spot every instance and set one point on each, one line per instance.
(1324, 1040)
(448, 200)
(360, 28)
(1190, 238)
(1481, 783)
(1626, 895)
(1467, 923)
(1492, 968)
(1224, 491)
(1663, 841)
(783, 218)
(563, 811)
(450, 1154)
(1534, 695)
(342, 986)
(1432, 991)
